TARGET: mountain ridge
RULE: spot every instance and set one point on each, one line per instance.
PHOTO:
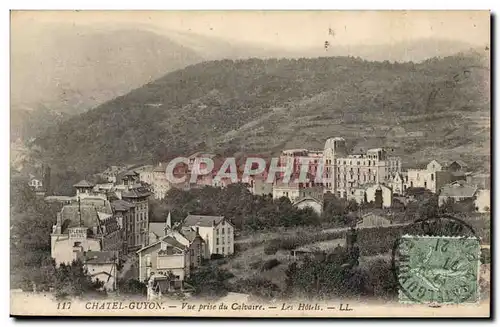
(436, 108)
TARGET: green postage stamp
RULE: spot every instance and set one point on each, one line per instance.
(438, 269)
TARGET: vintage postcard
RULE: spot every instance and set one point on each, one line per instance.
(250, 164)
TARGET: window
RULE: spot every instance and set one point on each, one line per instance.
(217, 231)
(432, 177)
(217, 250)
(223, 229)
(222, 250)
(217, 241)
(222, 240)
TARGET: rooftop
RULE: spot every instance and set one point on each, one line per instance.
(131, 173)
(188, 233)
(202, 221)
(98, 257)
(458, 189)
(84, 183)
(91, 216)
(70, 217)
(136, 192)
(122, 205)
(157, 228)
(307, 198)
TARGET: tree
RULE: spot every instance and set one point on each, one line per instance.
(73, 280)
(31, 224)
(428, 208)
(132, 286)
(246, 211)
(210, 281)
(257, 286)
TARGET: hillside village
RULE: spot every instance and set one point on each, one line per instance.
(109, 228)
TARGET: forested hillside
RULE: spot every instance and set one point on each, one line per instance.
(439, 108)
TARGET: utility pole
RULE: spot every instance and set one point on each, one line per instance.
(79, 212)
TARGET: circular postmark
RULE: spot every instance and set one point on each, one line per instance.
(437, 261)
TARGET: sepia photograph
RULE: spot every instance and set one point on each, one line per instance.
(250, 164)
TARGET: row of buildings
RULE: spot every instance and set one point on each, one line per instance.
(103, 223)
(362, 176)
(372, 175)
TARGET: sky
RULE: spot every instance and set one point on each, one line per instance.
(293, 29)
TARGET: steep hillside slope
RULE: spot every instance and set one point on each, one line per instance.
(438, 108)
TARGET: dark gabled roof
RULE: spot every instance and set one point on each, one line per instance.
(307, 198)
(148, 246)
(131, 173)
(460, 162)
(137, 192)
(202, 221)
(122, 205)
(169, 240)
(98, 257)
(157, 228)
(458, 189)
(188, 233)
(36, 176)
(173, 242)
(84, 183)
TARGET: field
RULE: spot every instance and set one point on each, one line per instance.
(373, 242)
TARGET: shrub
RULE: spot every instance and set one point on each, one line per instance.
(132, 286)
(256, 264)
(216, 256)
(485, 256)
(270, 264)
(258, 287)
(210, 281)
(271, 248)
(291, 242)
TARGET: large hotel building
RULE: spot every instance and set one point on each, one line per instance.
(344, 172)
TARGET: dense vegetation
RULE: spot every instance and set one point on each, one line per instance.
(31, 265)
(31, 221)
(246, 211)
(262, 106)
(209, 282)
